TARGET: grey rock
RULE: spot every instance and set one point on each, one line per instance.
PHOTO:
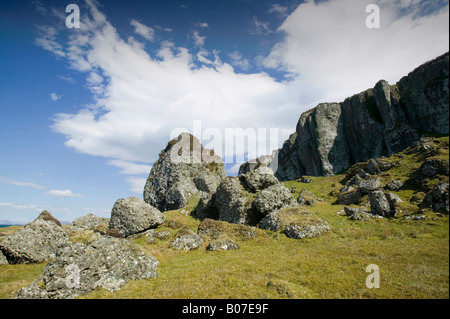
(3, 260)
(259, 179)
(296, 231)
(263, 161)
(438, 198)
(234, 204)
(183, 169)
(280, 220)
(349, 195)
(274, 198)
(305, 179)
(78, 269)
(379, 203)
(393, 201)
(222, 245)
(206, 207)
(161, 235)
(379, 121)
(356, 214)
(370, 184)
(430, 168)
(36, 242)
(187, 240)
(89, 222)
(132, 215)
(306, 198)
(394, 185)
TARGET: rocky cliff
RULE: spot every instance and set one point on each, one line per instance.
(379, 121)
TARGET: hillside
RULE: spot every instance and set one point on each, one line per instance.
(411, 249)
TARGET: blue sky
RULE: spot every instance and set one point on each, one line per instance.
(85, 112)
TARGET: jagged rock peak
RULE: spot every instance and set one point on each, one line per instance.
(184, 168)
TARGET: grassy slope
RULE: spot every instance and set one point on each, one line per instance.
(413, 256)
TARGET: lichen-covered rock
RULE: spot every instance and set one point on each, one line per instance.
(132, 215)
(306, 198)
(430, 168)
(186, 239)
(350, 195)
(259, 179)
(234, 204)
(394, 185)
(78, 269)
(90, 222)
(379, 203)
(36, 242)
(356, 214)
(295, 223)
(183, 169)
(438, 198)
(274, 198)
(379, 121)
(3, 260)
(296, 231)
(222, 245)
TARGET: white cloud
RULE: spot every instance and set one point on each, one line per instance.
(238, 60)
(55, 97)
(137, 184)
(198, 39)
(63, 193)
(21, 207)
(129, 168)
(202, 25)
(279, 10)
(18, 183)
(333, 55)
(258, 27)
(143, 30)
(327, 49)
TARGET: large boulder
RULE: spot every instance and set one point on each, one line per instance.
(234, 204)
(438, 198)
(36, 242)
(90, 222)
(379, 203)
(132, 215)
(184, 168)
(78, 269)
(379, 121)
(259, 179)
(295, 223)
(274, 198)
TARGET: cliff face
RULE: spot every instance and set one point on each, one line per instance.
(379, 121)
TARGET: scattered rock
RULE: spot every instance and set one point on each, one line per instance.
(438, 198)
(132, 215)
(305, 179)
(369, 184)
(349, 195)
(274, 198)
(356, 214)
(36, 242)
(379, 203)
(430, 168)
(259, 179)
(3, 260)
(186, 239)
(394, 185)
(161, 235)
(78, 269)
(306, 198)
(90, 222)
(222, 245)
(295, 223)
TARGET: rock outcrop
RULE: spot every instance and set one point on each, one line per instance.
(249, 197)
(90, 222)
(132, 215)
(36, 242)
(78, 269)
(184, 168)
(379, 121)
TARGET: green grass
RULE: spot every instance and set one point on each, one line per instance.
(413, 255)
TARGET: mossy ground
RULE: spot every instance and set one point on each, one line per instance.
(413, 255)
